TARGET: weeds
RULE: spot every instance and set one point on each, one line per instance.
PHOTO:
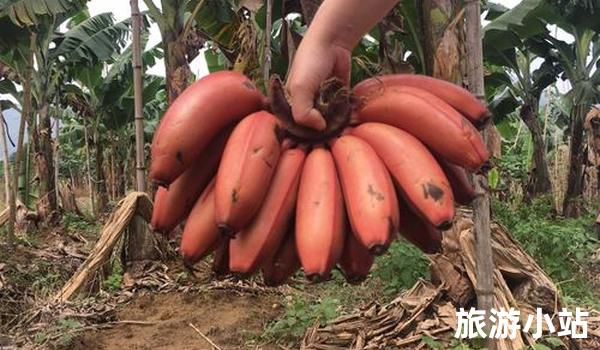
(114, 280)
(561, 246)
(76, 223)
(401, 267)
(62, 331)
(299, 315)
(456, 344)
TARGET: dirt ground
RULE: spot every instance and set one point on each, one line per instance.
(229, 320)
(32, 272)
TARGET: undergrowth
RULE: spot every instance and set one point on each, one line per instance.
(400, 268)
(76, 223)
(395, 271)
(113, 282)
(60, 334)
(561, 246)
(547, 343)
(300, 313)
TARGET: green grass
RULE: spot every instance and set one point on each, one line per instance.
(113, 281)
(400, 267)
(63, 328)
(300, 313)
(395, 271)
(76, 223)
(559, 245)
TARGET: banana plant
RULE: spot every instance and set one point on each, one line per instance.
(105, 103)
(515, 86)
(526, 26)
(86, 41)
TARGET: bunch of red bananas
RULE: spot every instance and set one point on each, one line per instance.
(262, 193)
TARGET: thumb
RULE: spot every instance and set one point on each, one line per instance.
(302, 100)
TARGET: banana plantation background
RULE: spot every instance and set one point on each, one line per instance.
(71, 155)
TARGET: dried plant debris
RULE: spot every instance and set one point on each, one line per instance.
(428, 310)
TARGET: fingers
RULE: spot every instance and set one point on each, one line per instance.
(303, 85)
(343, 65)
(302, 101)
(306, 76)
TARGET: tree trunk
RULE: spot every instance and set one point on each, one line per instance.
(140, 245)
(25, 115)
(88, 163)
(113, 180)
(10, 201)
(100, 184)
(171, 25)
(592, 128)
(5, 160)
(25, 175)
(441, 39)
(444, 56)
(481, 205)
(44, 160)
(309, 9)
(572, 205)
(177, 69)
(539, 177)
(56, 147)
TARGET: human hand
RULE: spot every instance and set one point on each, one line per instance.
(315, 62)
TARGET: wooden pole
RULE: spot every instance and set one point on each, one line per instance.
(481, 204)
(267, 53)
(56, 153)
(140, 242)
(140, 168)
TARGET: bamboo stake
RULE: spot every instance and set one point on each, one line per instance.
(137, 88)
(481, 204)
(267, 52)
(140, 243)
(57, 155)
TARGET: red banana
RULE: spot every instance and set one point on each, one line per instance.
(265, 233)
(421, 180)
(196, 117)
(369, 194)
(200, 233)
(463, 191)
(454, 95)
(418, 232)
(159, 211)
(283, 264)
(429, 119)
(173, 204)
(356, 261)
(245, 172)
(319, 216)
(220, 263)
